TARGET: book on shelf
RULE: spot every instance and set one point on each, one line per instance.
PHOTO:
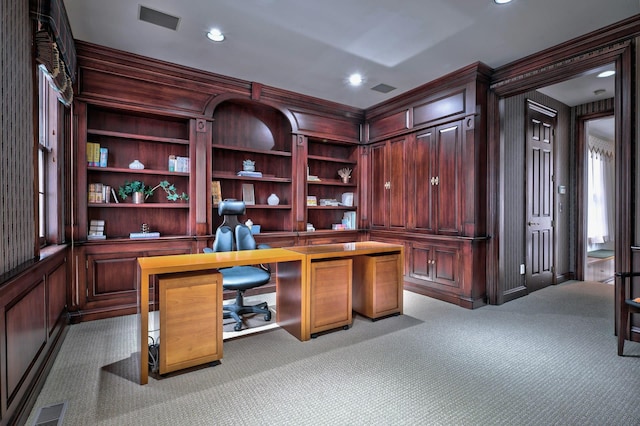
(182, 164)
(103, 155)
(216, 193)
(249, 174)
(312, 200)
(136, 235)
(329, 202)
(93, 154)
(96, 193)
(248, 194)
(114, 195)
(96, 237)
(349, 220)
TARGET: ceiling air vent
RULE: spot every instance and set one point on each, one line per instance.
(383, 88)
(158, 18)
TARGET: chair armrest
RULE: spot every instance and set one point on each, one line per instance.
(627, 274)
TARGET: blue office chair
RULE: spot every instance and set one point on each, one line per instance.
(233, 235)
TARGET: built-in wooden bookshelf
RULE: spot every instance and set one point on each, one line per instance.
(324, 159)
(151, 140)
(244, 131)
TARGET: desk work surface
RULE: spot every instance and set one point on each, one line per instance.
(346, 249)
(191, 262)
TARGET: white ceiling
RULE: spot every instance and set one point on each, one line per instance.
(311, 47)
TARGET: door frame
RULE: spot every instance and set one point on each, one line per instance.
(568, 60)
(582, 152)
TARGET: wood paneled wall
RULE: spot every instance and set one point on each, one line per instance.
(17, 226)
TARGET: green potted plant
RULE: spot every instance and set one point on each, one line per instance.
(140, 192)
(136, 189)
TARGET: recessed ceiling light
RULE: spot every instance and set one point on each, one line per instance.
(606, 74)
(502, 1)
(355, 79)
(215, 35)
(599, 92)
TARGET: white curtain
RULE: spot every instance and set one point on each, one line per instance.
(600, 225)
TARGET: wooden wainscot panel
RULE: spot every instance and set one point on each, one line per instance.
(390, 125)
(26, 330)
(135, 91)
(56, 295)
(333, 128)
(112, 274)
(439, 108)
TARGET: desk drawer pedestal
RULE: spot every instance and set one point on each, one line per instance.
(190, 320)
(377, 285)
(330, 294)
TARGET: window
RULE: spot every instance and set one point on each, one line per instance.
(47, 169)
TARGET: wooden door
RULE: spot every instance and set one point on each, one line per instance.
(540, 196)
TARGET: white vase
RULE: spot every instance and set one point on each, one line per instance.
(136, 165)
(273, 200)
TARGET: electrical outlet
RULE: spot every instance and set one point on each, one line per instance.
(522, 270)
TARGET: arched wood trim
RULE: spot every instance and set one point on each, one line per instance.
(226, 97)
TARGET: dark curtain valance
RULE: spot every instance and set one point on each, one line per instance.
(55, 48)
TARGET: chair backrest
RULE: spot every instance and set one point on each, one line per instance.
(244, 238)
(226, 238)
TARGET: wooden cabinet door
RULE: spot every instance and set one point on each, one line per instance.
(388, 170)
(423, 182)
(379, 201)
(437, 263)
(397, 172)
(447, 207)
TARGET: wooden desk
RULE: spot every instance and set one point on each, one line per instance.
(290, 268)
(294, 283)
(373, 289)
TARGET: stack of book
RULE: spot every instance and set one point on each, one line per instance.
(96, 230)
(96, 155)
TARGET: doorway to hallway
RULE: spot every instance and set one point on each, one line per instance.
(600, 203)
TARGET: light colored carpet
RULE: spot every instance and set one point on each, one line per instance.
(545, 359)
